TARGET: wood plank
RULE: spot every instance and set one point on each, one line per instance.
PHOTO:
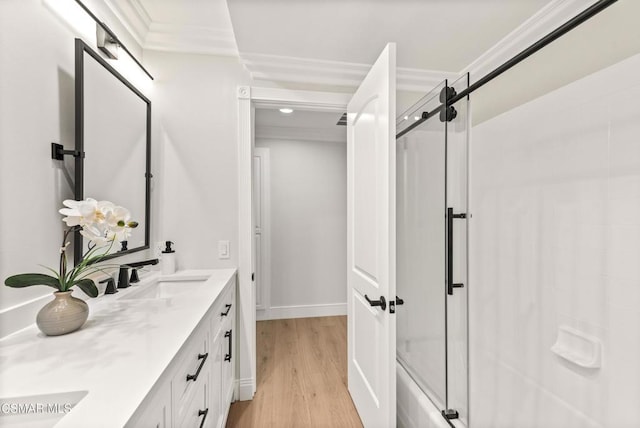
(302, 376)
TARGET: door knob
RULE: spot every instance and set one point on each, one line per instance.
(382, 302)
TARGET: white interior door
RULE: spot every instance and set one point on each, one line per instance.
(261, 218)
(371, 243)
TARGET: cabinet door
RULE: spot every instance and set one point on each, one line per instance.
(215, 398)
(227, 366)
(227, 375)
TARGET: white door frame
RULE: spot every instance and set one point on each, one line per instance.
(248, 98)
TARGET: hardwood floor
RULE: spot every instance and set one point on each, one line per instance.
(302, 376)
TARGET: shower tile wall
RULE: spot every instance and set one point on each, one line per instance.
(555, 241)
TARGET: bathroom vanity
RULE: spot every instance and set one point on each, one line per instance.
(157, 354)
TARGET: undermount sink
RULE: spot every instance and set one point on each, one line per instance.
(38, 411)
(164, 289)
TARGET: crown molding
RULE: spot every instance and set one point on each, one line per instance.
(547, 19)
(171, 37)
(328, 135)
(190, 39)
(133, 16)
(334, 73)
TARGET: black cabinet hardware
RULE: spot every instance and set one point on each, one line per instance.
(204, 413)
(382, 302)
(202, 358)
(450, 283)
(225, 313)
(228, 335)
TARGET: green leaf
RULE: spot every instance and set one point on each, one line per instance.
(88, 286)
(29, 279)
(55, 273)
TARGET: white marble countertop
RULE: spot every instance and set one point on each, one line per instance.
(116, 357)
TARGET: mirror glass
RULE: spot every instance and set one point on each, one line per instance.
(115, 141)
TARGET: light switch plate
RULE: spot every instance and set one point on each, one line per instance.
(223, 249)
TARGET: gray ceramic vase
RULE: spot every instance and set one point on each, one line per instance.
(64, 314)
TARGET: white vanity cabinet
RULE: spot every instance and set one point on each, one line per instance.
(155, 412)
(196, 389)
(222, 374)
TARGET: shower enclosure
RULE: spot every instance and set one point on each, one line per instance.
(431, 153)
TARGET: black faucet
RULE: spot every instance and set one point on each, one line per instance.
(142, 263)
(111, 287)
(123, 277)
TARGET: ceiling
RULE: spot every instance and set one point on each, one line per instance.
(331, 41)
(299, 125)
(297, 119)
(430, 34)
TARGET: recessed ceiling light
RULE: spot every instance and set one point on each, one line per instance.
(286, 110)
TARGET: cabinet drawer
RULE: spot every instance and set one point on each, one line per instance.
(197, 412)
(225, 310)
(191, 372)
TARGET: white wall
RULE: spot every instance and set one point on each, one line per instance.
(308, 227)
(605, 39)
(555, 241)
(36, 108)
(195, 105)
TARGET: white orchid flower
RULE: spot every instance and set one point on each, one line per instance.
(102, 222)
(72, 212)
(86, 213)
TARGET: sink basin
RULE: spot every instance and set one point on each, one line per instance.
(38, 411)
(164, 290)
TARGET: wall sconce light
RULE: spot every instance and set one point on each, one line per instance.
(106, 42)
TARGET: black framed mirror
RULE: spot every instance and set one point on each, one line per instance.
(113, 136)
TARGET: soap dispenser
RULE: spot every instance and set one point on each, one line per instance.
(168, 259)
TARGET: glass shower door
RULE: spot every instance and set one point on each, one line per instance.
(431, 247)
(421, 192)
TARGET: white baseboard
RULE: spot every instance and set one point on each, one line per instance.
(301, 311)
(247, 389)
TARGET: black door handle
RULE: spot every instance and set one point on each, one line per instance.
(450, 217)
(382, 302)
